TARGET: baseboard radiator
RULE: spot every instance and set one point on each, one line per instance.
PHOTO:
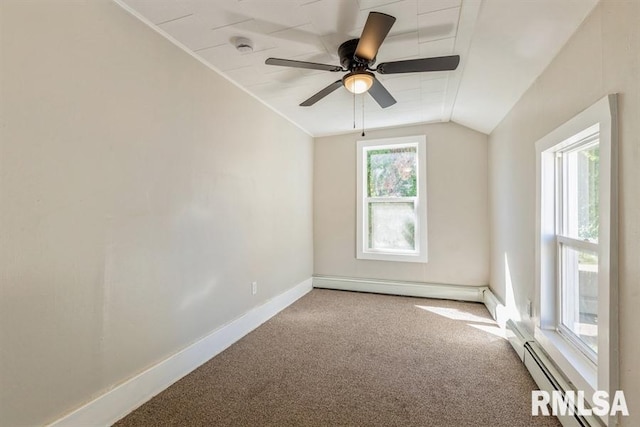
(545, 373)
(396, 287)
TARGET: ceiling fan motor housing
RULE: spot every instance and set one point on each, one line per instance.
(348, 59)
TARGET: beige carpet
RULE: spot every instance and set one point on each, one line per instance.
(352, 359)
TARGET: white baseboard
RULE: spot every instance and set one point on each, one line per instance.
(495, 307)
(124, 398)
(498, 311)
(413, 289)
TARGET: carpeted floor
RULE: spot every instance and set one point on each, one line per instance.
(352, 359)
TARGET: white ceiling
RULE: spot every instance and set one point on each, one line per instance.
(504, 46)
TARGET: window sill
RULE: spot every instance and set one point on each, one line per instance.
(380, 256)
(581, 371)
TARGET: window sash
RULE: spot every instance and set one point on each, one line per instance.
(583, 245)
(562, 182)
(577, 342)
(397, 147)
(416, 233)
(566, 332)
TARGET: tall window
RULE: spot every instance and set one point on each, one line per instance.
(392, 199)
(576, 262)
(577, 213)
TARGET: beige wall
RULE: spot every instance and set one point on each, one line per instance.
(602, 57)
(140, 192)
(457, 212)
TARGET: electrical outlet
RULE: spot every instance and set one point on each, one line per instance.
(254, 288)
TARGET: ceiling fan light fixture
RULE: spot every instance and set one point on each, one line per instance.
(358, 82)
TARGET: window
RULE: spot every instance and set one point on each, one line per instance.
(576, 265)
(391, 191)
(577, 170)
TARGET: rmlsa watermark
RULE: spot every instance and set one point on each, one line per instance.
(573, 403)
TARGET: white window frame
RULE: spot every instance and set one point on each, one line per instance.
(584, 372)
(420, 255)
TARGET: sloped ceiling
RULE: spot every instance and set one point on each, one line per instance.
(504, 45)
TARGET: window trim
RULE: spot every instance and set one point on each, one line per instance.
(420, 201)
(583, 372)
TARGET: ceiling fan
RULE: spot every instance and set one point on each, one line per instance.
(357, 56)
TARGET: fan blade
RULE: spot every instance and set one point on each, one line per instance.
(440, 63)
(381, 94)
(302, 64)
(324, 92)
(373, 34)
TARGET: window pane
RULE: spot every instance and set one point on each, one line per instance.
(391, 172)
(392, 226)
(581, 193)
(580, 294)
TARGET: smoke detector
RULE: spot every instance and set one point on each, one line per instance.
(243, 44)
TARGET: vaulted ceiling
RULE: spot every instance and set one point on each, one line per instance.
(503, 44)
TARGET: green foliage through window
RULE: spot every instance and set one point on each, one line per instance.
(391, 172)
(589, 216)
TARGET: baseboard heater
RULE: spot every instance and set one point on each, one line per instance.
(545, 374)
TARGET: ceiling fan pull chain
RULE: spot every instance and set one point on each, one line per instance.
(354, 110)
(363, 114)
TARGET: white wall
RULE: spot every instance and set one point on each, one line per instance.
(602, 57)
(140, 193)
(457, 210)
